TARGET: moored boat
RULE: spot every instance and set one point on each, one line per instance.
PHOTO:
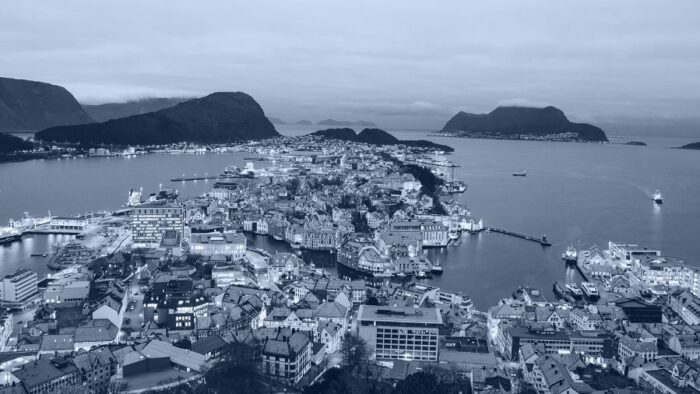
(570, 255)
(590, 291)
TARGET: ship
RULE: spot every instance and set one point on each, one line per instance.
(454, 187)
(574, 290)
(658, 198)
(561, 291)
(571, 255)
(590, 291)
(436, 269)
(423, 275)
(522, 173)
(8, 235)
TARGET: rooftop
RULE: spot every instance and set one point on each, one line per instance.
(399, 314)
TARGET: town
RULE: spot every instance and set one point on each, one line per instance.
(169, 294)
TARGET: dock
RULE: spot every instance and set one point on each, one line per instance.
(540, 240)
(192, 178)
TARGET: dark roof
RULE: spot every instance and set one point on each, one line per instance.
(208, 344)
(42, 371)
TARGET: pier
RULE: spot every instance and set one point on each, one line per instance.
(192, 178)
(542, 240)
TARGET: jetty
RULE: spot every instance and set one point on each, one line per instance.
(540, 240)
(193, 178)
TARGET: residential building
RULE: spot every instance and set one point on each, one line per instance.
(287, 355)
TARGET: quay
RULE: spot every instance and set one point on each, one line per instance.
(192, 178)
(542, 241)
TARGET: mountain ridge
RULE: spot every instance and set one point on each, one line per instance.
(220, 117)
(27, 105)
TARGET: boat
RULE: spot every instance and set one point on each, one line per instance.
(571, 255)
(436, 269)
(423, 275)
(277, 238)
(590, 291)
(561, 291)
(401, 275)
(574, 290)
(523, 173)
(454, 187)
(658, 198)
(9, 235)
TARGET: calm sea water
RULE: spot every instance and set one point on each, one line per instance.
(580, 194)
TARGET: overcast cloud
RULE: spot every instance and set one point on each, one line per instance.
(398, 63)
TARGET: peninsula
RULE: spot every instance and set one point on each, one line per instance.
(377, 137)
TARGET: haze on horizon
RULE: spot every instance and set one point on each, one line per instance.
(400, 64)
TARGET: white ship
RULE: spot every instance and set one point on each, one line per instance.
(658, 198)
(571, 255)
(589, 290)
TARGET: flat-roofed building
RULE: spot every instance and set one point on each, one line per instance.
(67, 290)
(400, 333)
(150, 221)
(68, 224)
(19, 286)
(218, 244)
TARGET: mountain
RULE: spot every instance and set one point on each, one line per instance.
(9, 143)
(303, 122)
(276, 120)
(511, 122)
(217, 118)
(377, 137)
(345, 123)
(30, 105)
(105, 112)
(694, 146)
(298, 122)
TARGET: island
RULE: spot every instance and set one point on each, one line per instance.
(692, 146)
(522, 123)
(374, 136)
(221, 117)
(635, 143)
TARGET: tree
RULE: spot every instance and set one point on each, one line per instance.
(418, 383)
(355, 352)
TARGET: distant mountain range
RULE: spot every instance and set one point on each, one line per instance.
(217, 118)
(105, 112)
(377, 137)
(298, 122)
(346, 123)
(514, 122)
(30, 105)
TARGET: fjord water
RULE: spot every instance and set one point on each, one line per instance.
(580, 194)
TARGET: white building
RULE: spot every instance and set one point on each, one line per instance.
(219, 244)
(67, 291)
(19, 286)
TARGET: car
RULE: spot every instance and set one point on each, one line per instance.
(132, 306)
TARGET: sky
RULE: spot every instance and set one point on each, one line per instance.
(401, 64)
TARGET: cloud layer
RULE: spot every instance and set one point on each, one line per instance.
(398, 63)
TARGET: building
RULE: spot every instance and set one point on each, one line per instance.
(96, 368)
(400, 333)
(287, 355)
(67, 291)
(230, 244)
(19, 286)
(592, 344)
(150, 221)
(68, 224)
(47, 375)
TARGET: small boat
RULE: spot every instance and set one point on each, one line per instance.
(401, 275)
(423, 275)
(658, 198)
(523, 173)
(436, 269)
(571, 255)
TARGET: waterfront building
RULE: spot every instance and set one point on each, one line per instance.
(230, 244)
(658, 270)
(19, 286)
(628, 253)
(68, 224)
(432, 233)
(400, 333)
(150, 221)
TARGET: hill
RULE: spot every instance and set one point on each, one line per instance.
(346, 123)
(377, 137)
(105, 112)
(694, 146)
(217, 118)
(30, 105)
(9, 143)
(547, 123)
